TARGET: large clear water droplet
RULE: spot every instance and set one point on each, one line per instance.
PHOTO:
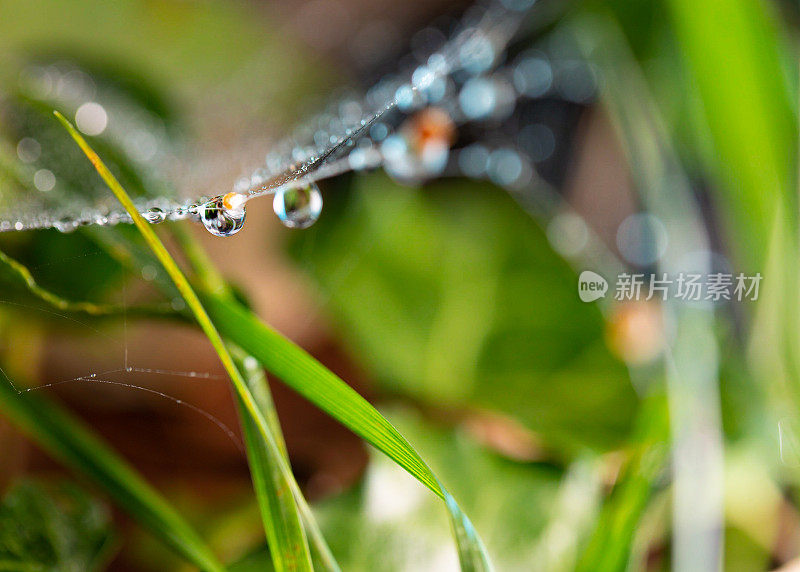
(155, 215)
(220, 220)
(298, 207)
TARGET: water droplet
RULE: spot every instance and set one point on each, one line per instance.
(533, 76)
(91, 118)
(44, 180)
(28, 150)
(65, 225)
(149, 272)
(241, 184)
(155, 215)
(642, 239)
(220, 220)
(298, 207)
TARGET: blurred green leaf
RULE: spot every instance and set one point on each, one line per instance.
(15, 276)
(746, 75)
(65, 531)
(735, 56)
(610, 545)
(452, 294)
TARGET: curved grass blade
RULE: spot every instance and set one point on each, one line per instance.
(211, 280)
(746, 79)
(255, 379)
(275, 496)
(293, 552)
(749, 109)
(272, 497)
(279, 511)
(69, 441)
(19, 272)
(299, 370)
(327, 391)
(611, 543)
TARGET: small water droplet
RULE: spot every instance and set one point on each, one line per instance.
(219, 220)
(65, 225)
(149, 272)
(155, 215)
(298, 207)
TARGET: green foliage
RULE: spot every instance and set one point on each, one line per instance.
(279, 512)
(408, 526)
(400, 527)
(749, 110)
(300, 370)
(72, 443)
(451, 294)
(292, 552)
(59, 531)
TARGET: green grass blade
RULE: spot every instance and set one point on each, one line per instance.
(293, 552)
(276, 498)
(17, 271)
(211, 280)
(69, 441)
(323, 388)
(298, 369)
(746, 75)
(611, 543)
(280, 515)
(267, 485)
(734, 57)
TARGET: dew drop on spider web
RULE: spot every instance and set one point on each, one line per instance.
(65, 224)
(155, 215)
(298, 207)
(222, 220)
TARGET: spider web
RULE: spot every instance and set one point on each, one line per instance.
(351, 134)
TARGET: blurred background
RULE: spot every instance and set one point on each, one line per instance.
(575, 435)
